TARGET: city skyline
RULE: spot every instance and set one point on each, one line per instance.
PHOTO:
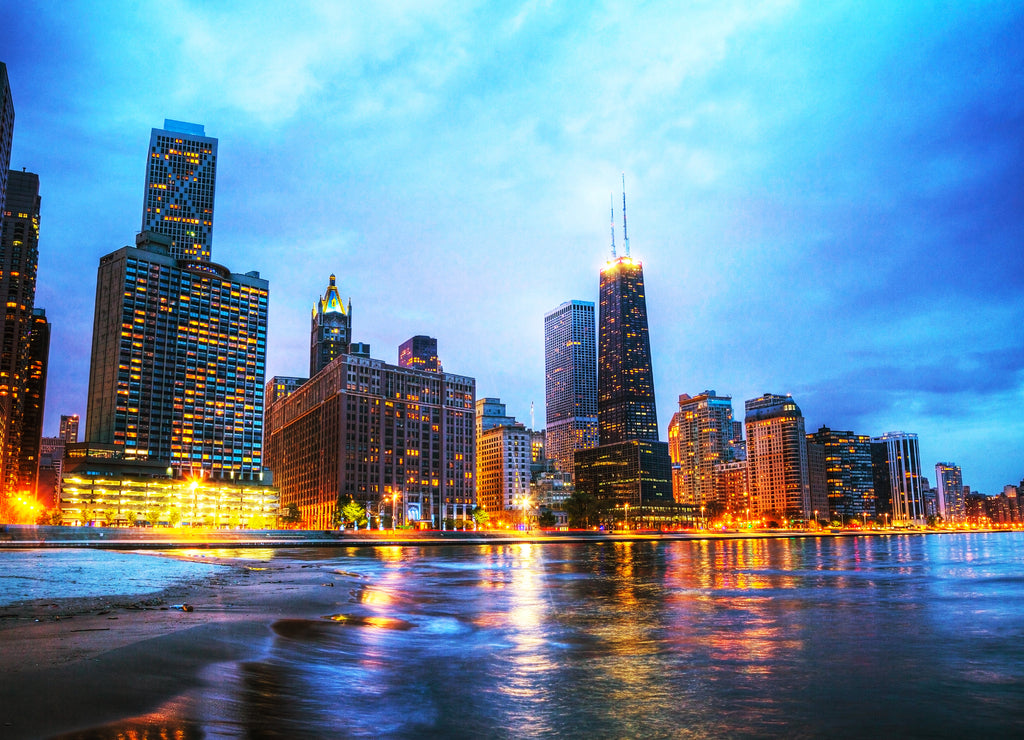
(825, 199)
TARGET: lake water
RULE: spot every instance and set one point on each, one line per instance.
(910, 636)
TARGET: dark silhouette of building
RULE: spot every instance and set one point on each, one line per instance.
(848, 471)
(331, 329)
(34, 401)
(181, 176)
(6, 130)
(570, 382)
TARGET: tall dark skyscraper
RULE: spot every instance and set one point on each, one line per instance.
(34, 400)
(570, 382)
(630, 466)
(6, 130)
(180, 184)
(331, 329)
(19, 257)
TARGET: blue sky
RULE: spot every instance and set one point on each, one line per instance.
(828, 198)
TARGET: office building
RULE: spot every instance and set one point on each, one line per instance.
(178, 358)
(503, 452)
(700, 437)
(388, 437)
(6, 130)
(331, 329)
(731, 489)
(281, 386)
(949, 492)
(896, 465)
(570, 382)
(51, 459)
(23, 334)
(490, 413)
(777, 459)
(848, 472)
(419, 353)
(630, 465)
(181, 179)
(69, 428)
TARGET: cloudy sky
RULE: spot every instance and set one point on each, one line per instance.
(828, 198)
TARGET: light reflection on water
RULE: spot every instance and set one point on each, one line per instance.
(910, 636)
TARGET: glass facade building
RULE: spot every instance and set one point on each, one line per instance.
(896, 465)
(570, 382)
(178, 361)
(848, 470)
(181, 179)
(419, 353)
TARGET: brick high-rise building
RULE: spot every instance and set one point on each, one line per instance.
(178, 357)
(570, 382)
(777, 458)
(181, 177)
(330, 329)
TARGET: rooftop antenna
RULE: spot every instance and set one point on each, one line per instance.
(625, 234)
(611, 199)
(532, 422)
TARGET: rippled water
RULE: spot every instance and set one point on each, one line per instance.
(26, 575)
(853, 637)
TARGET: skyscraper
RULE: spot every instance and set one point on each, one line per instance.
(331, 329)
(19, 258)
(6, 130)
(570, 382)
(178, 357)
(949, 486)
(848, 471)
(69, 428)
(700, 437)
(777, 458)
(34, 400)
(896, 464)
(180, 182)
(419, 352)
(630, 466)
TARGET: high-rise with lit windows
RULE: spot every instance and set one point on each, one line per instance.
(23, 335)
(330, 330)
(570, 382)
(896, 466)
(700, 437)
(69, 428)
(849, 478)
(630, 465)
(420, 353)
(777, 469)
(180, 186)
(949, 487)
(178, 359)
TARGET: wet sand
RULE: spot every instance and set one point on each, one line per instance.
(70, 667)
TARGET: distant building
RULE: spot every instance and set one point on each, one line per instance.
(949, 492)
(69, 428)
(51, 458)
(848, 470)
(419, 353)
(817, 479)
(700, 437)
(570, 382)
(731, 488)
(896, 462)
(777, 457)
(387, 437)
(24, 335)
(181, 177)
(331, 329)
(281, 386)
(490, 413)
(631, 465)
(178, 358)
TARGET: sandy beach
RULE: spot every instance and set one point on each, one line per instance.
(71, 667)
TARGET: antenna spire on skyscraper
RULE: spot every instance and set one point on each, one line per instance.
(611, 198)
(625, 234)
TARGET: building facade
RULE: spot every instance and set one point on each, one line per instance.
(181, 179)
(949, 488)
(848, 471)
(700, 437)
(419, 353)
(69, 428)
(503, 470)
(330, 329)
(570, 382)
(388, 437)
(6, 130)
(24, 334)
(896, 465)
(178, 361)
(777, 458)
